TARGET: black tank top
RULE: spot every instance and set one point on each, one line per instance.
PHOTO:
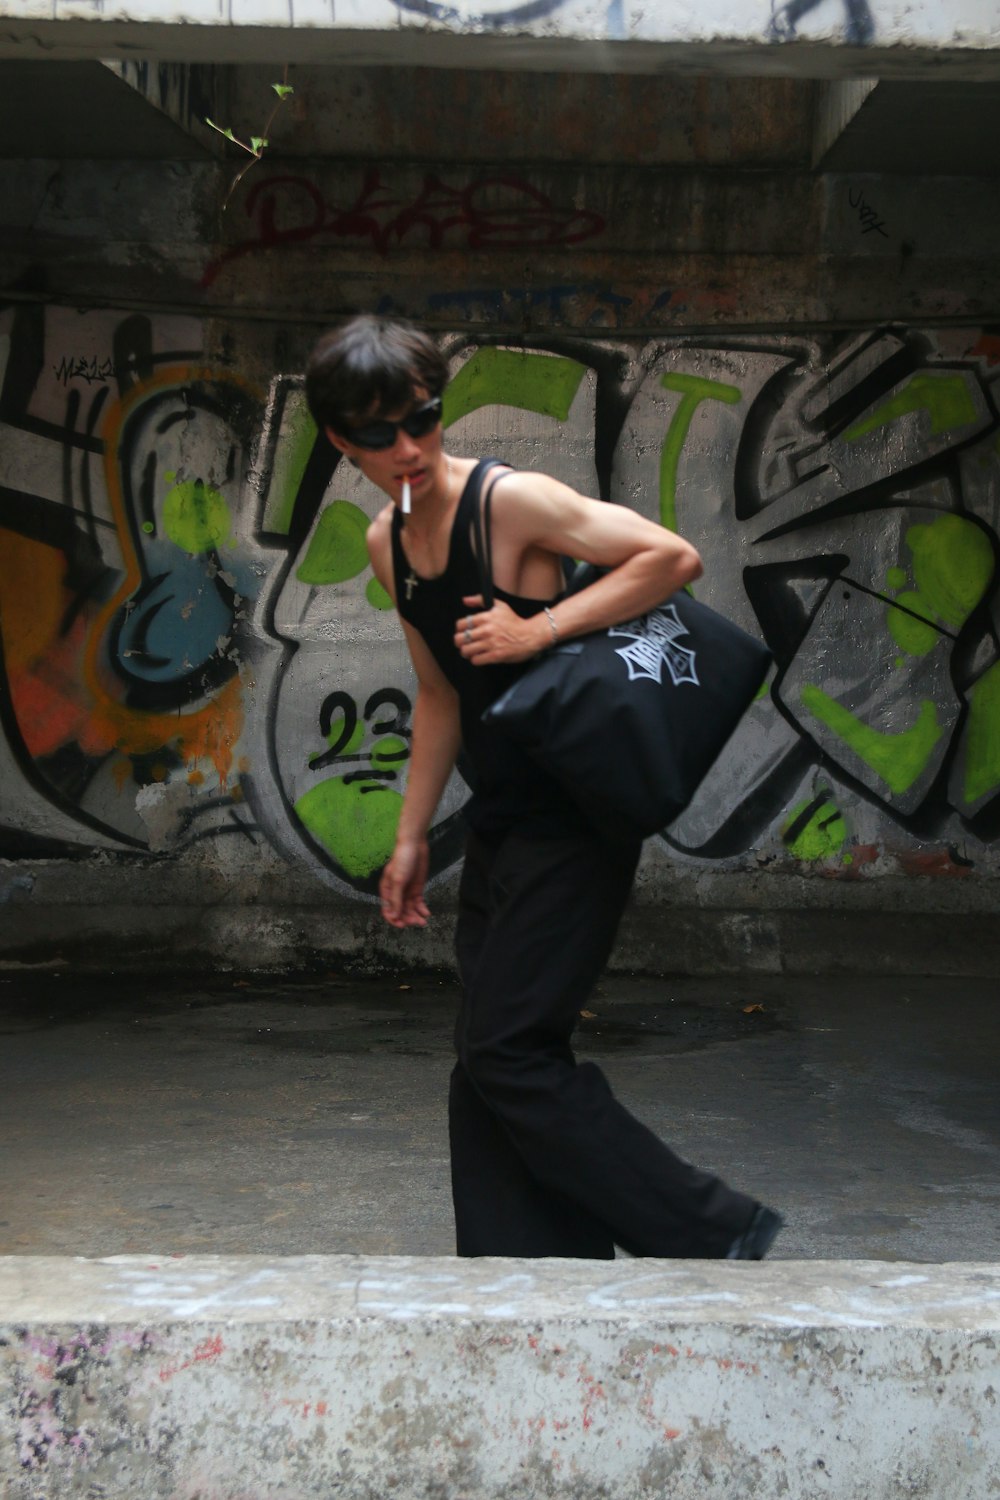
(506, 786)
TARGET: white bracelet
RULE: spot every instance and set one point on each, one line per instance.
(552, 623)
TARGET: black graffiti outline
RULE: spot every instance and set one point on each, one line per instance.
(398, 724)
(59, 524)
(868, 215)
(434, 10)
(859, 24)
(192, 681)
(445, 839)
(923, 820)
(79, 367)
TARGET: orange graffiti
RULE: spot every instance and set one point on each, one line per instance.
(988, 346)
(43, 665)
(46, 665)
(54, 648)
(210, 731)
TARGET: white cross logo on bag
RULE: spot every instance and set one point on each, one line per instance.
(654, 641)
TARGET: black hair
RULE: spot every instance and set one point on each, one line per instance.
(369, 367)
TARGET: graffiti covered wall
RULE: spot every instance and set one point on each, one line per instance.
(196, 656)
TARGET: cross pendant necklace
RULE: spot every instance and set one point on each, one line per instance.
(410, 584)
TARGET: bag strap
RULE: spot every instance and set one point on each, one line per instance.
(482, 529)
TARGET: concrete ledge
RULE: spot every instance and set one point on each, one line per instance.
(98, 913)
(672, 941)
(206, 1378)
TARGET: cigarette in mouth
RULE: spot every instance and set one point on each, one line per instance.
(406, 497)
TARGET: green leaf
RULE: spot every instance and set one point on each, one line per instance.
(257, 143)
(282, 89)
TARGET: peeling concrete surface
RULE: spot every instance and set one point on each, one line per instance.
(205, 1378)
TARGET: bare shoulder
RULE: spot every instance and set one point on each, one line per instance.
(536, 510)
(531, 484)
(526, 497)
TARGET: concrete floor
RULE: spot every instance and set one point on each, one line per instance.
(292, 1116)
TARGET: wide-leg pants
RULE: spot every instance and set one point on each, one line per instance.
(545, 1161)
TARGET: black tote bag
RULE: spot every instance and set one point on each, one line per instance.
(630, 719)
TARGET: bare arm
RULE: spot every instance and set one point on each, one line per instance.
(647, 563)
(435, 744)
(433, 749)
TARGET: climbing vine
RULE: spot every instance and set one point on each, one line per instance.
(255, 145)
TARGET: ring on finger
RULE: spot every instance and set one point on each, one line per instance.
(468, 634)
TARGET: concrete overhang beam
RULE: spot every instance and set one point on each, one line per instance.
(250, 1377)
(565, 37)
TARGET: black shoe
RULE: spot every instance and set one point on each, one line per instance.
(758, 1237)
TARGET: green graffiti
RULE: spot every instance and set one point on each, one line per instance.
(389, 751)
(815, 830)
(952, 566)
(897, 758)
(338, 549)
(377, 596)
(352, 744)
(952, 563)
(693, 389)
(896, 579)
(944, 396)
(196, 517)
(354, 741)
(354, 821)
(982, 737)
(543, 383)
(914, 636)
(290, 460)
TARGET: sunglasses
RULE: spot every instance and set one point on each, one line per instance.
(379, 435)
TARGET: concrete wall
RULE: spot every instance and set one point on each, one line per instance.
(243, 1378)
(206, 701)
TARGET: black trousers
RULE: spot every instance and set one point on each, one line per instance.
(545, 1161)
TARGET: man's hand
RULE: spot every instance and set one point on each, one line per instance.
(487, 636)
(401, 888)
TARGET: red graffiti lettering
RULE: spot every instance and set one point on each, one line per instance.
(499, 212)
